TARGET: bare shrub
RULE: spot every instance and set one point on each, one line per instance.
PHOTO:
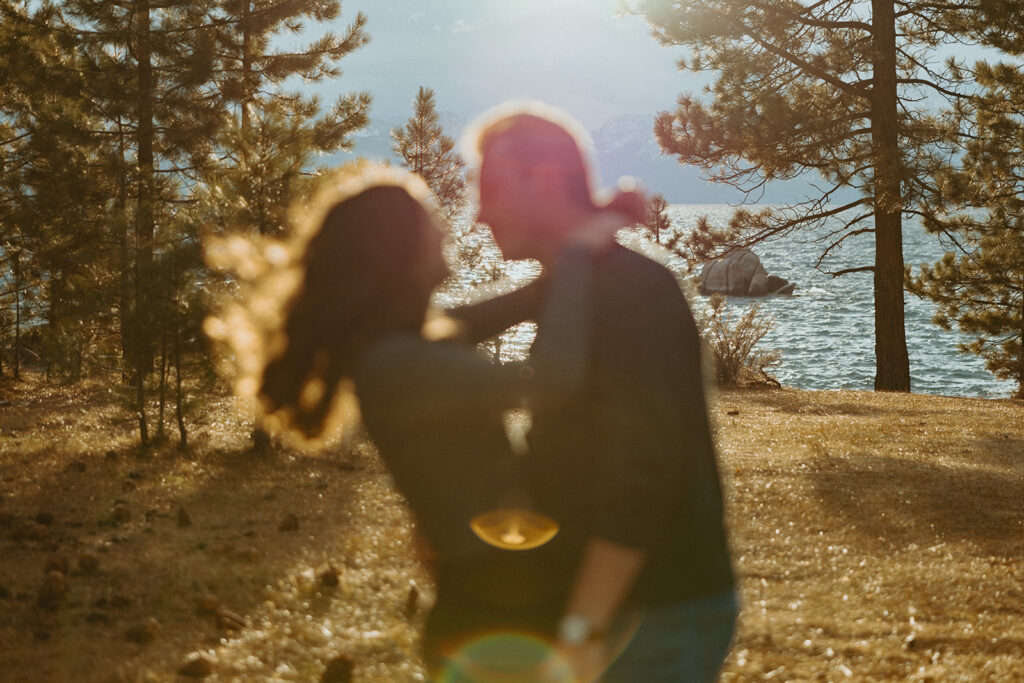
(732, 338)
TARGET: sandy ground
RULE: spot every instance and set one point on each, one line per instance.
(876, 536)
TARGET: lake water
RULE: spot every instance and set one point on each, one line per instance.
(825, 331)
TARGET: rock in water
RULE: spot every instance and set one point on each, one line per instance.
(740, 273)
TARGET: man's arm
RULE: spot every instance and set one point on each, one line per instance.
(485, 319)
(605, 576)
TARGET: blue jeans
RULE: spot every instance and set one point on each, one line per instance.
(679, 642)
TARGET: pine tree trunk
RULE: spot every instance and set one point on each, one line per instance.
(178, 408)
(892, 364)
(163, 384)
(248, 87)
(125, 256)
(144, 215)
(17, 315)
(1020, 356)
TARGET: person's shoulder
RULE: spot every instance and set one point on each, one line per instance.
(629, 271)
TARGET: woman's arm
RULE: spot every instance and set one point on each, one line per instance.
(432, 380)
(437, 379)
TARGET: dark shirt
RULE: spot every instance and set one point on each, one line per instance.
(632, 460)
(434, 410)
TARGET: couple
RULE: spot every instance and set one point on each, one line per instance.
(637, 583)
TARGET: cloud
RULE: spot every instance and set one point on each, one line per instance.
(415, 18)
(461, 26)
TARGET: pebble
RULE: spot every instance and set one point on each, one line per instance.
(412, 601)
(59, 563)
(230, 621)
(197, 667)
(53, 590)
(208, 604)
(88, 563)
(120, 514)
(289, 523)
(144, 632)
(118, 601)
(329, 577)
(339, 670)
(248, 554)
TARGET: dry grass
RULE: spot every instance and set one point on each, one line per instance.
(877, 537)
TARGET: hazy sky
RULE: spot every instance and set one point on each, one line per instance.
(576, 54)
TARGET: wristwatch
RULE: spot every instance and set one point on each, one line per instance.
(576, 629)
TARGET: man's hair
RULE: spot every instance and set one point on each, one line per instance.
(545, 140)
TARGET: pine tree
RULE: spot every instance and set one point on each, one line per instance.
(978, 286)
(147, 82)
(428, 152)
(275, 134)
(842, 90)
(658, 220)
(50, 198)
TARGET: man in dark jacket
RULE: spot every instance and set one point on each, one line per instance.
(628, 470)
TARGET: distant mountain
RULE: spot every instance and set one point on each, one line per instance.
(374, 141)
(624, 145)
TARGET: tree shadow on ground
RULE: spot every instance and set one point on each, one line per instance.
(841, 402)
(893, 501)
(168, 529)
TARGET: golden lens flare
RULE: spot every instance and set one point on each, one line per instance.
(514, 528)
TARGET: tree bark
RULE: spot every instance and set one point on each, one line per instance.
(17, 315)
(248, 87)
(179, 409)
(144, 215)
(162, 387)
(127, 303)
(1020, 356)
(892, 364)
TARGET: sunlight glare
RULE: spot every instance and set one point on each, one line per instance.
(514, 528)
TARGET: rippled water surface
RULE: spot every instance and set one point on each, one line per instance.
(825, 331)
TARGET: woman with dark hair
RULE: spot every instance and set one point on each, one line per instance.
(353, 328)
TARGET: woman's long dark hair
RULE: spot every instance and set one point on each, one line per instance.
(357, 282)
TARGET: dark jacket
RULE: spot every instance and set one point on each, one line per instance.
(632, 460)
